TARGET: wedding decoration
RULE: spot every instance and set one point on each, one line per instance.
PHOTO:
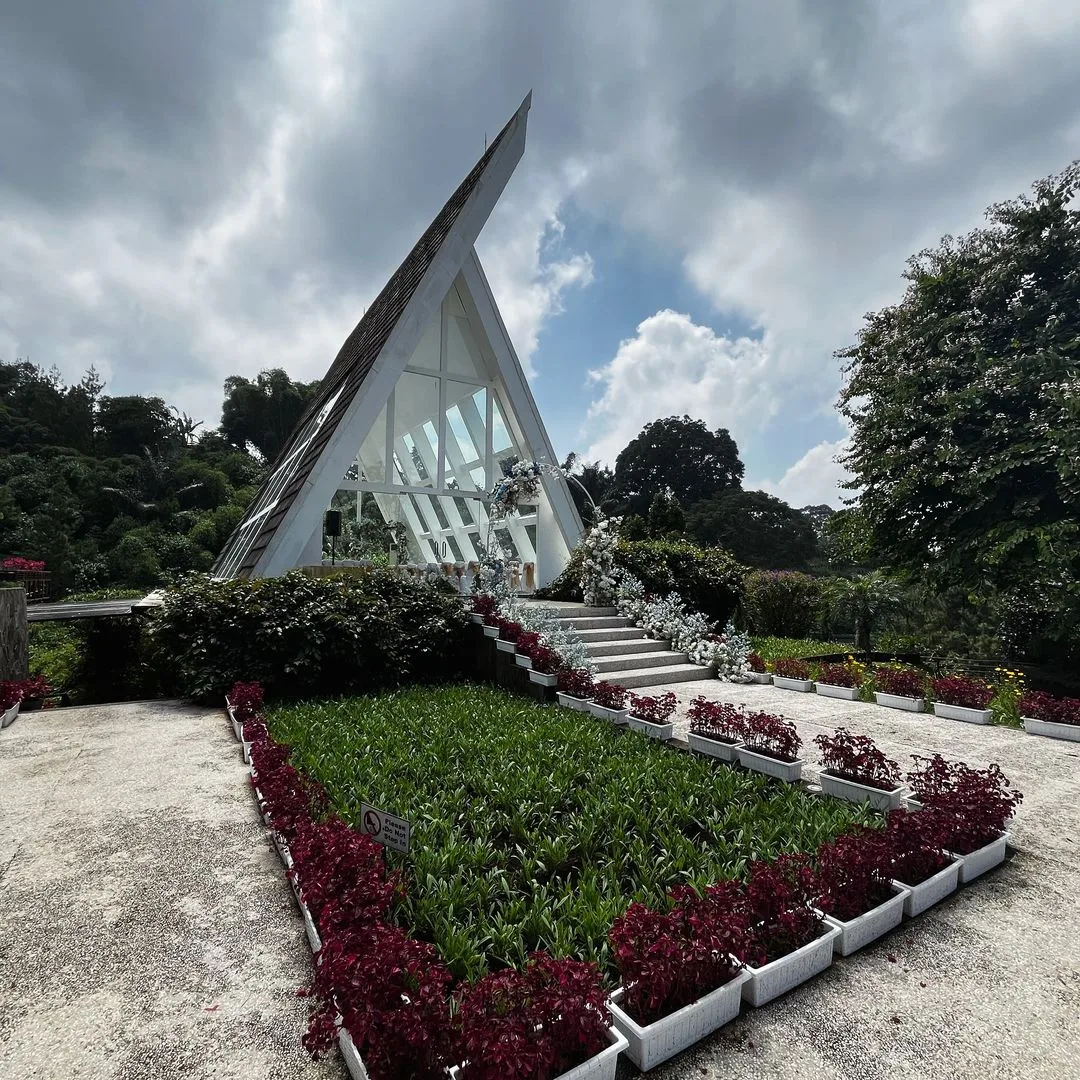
(598, 569)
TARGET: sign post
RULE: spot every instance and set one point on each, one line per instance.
(384, 828)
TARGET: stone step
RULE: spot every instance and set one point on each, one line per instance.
(638, 661)
(658, 677)
(577, 611)
(625, 647)
(596, 622)
(617, 633)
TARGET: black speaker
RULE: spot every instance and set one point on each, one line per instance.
(332, 525)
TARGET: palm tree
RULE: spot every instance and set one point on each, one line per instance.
(866, 599)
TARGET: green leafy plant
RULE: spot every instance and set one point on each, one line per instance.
(783, 602)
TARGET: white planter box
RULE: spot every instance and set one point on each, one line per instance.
(860, 931)
(933, 889)
(541, 679)
(8, 717)
(895, 701)
(804, 686)
(782, 770)
(714, 747)
(351, 1056)
(1071, 732)
(491, 631)
(664, 1038)
(961, 712)
(505, 646)
(780, 976)
(578, 704)
(523, 661)
(247, 752)
(283, 850)
(476, 618)
(654, 731)
(760, 677)
(847, 693)
(982, 859)
(237, 727)
(600, 1067)
(614, 716)
(878, 798)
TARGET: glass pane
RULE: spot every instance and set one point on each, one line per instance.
(466, 441)
(506, 542)
(500, 434)
(427, 352)
(373, 451)
(462, 353)
(416, 405)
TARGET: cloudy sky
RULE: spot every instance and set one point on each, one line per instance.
(712, 194)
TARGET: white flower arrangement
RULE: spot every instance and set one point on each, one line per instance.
(598, 581)
(519, 484)
(563, 641)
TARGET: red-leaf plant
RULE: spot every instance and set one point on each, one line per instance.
(391, 993)
(609, 695)
(533, 1024)
(789, 668)
(962, 691)
(289, 798)
(653, 710)
(669, 959)
(784, 900)
(857, 758)
(576, 683)
(717, 720)
(1039, 705)
(772, 736)
(246, 699)
(10, 694)
(916, 844)
(972, 805)
(854, 871)
(839, 675)
(755, 662)
(509, 630)
(544, 660)
(17, 562)
(14, 691)
(527, 641)
(900, 682)
(484, 604)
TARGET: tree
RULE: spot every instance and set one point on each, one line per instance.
(599, 482)
(818, 516)
(866, 600)
(964, 408)
(133, 425)
(264, 412)
(846, 539)
(666, 519)
(680, 456)
(757, 528)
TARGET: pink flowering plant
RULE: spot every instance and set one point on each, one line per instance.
(1039, 705)
(772, 736)
(717, 720)
(654, 709)
(26, 566)
(858, 759)
(962, 691)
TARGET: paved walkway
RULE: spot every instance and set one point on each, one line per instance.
(146, 928)
(986, 984)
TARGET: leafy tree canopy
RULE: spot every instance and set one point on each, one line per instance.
(263, 413)
(757, 528)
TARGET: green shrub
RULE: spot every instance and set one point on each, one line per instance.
(783, 603)
(782, 648)
(300, 635)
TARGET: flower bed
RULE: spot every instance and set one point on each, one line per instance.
(855, 769)
(770, 745)
(649, 714)
(1044, 714)
(900, 688)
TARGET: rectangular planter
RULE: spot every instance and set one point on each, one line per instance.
(961, 712)
(724, 751)
(247, 750)
(523, 661)
(895, 701)
(760, 677)
(654, 731)
(878, 798)
(578, 704)
(1070, 732)
(491, 631)
(9, 715)
(929, 892)
(505, 646)
(614, 716)
(982, 859)
(541, 679)
(780, 976)
(846, 693)
(858, 932)
(600, 1067)
(351, 1056)
(479, 619)
(803, 686)
(664, 1038)
(790, 771)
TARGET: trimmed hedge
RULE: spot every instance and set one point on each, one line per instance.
(784, 603)
(299, 635)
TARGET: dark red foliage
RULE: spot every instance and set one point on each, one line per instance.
(17, 562)
(255, 729)
(655, 709)
(854, 872)
(484, 604)
(755, 662)
(1038, 705)
(962, 691)
(838, 675)
(576, 683)
(789, 668)
(508, 629)
(916, 845)
(717, 720)
(246, 699)
(857, 758)
(14, 691)
(289, 798)
(609, 695)
(669, 959)
(533, 1024)
(544, 660)
(901, 682)
(772, 736)
(391, 992)
(782, 896)
(527, 640)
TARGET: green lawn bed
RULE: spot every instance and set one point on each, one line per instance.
(782, 648)
(534, 826)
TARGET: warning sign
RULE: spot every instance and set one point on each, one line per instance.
(384, 828)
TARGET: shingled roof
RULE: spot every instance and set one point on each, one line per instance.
(346, 375)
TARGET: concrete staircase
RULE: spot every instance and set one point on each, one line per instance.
(623, 653)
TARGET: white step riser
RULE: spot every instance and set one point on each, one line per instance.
(625, 648)
(581, 612)
(593, 622)
(637, 663)
(600, 637)
(658, 678)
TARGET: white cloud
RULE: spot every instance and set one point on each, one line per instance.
(814, 479)
(673, 367)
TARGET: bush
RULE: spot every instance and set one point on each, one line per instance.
(792, 669)
(300, 635)
(783, 603)
(962, 691)
(858, 759)
(901, 682)
(772, 736)
(1052, 710)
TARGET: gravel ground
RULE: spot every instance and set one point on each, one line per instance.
(146, 927)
